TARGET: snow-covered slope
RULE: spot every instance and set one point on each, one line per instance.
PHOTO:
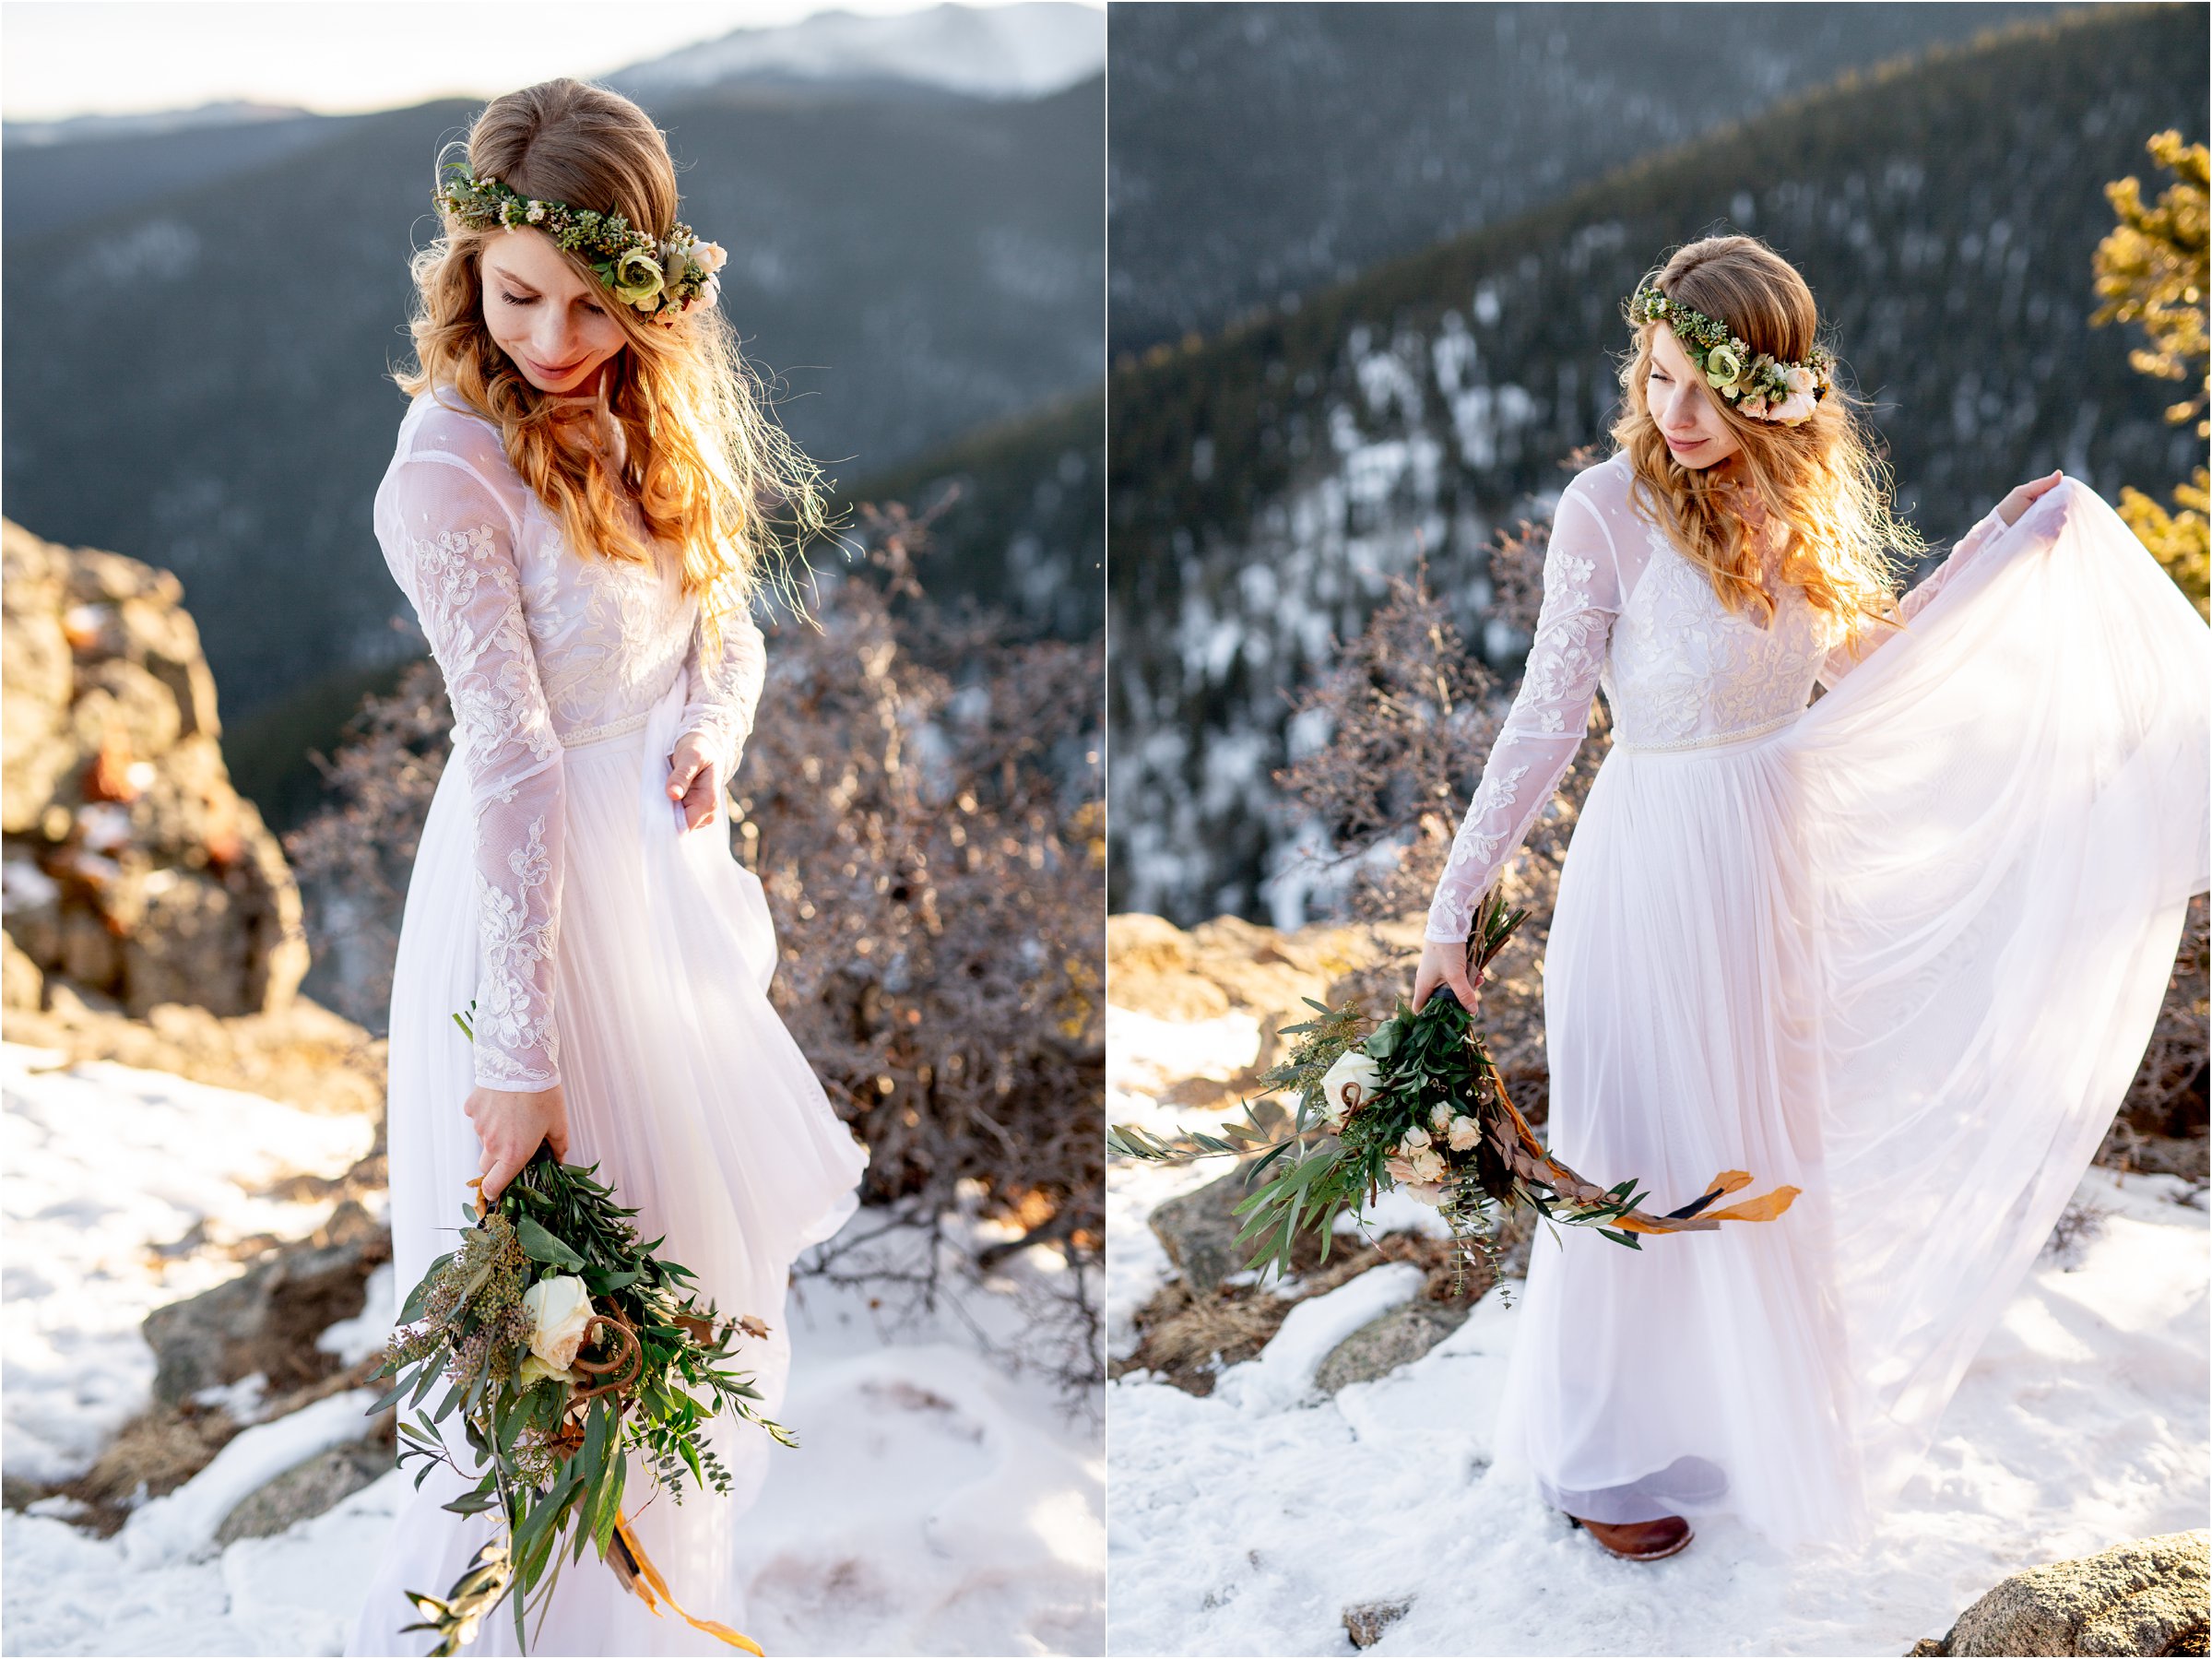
(106, 1168)
(937, 1504)
(1019, 50)
(1249, 1521)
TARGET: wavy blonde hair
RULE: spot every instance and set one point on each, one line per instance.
(1820, 479)
(708, 469)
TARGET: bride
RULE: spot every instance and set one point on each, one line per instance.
(574, 509)
(1902, 950)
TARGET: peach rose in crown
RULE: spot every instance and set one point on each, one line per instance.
(1796, 408)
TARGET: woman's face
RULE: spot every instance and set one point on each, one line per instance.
(1686, 411)
(553, 324)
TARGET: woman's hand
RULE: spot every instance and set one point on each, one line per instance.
(1445, 963)
(510, 1126)
(2020, 500)
(692, 780)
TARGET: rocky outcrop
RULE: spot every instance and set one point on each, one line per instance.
(1366, 1622)
(1156, 967)
(133, 870)
(2149, 1596)
(268, 1318)
(1197, 1230)
(304, 1490)
(1389, 1341)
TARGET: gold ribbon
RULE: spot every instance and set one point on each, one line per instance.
(639, 1573)
(1517, 1144)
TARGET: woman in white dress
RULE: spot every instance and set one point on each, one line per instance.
(573, 511)
(1902, 950)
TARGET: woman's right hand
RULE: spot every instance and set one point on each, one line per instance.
(1445, 963)
(510, 1126)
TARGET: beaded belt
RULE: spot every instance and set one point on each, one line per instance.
(611, 728)
(1712, 739)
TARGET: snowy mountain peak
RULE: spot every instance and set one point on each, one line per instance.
(1023, 50)
(234, 111)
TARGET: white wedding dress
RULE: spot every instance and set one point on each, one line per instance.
(1902, 949)
(607, 949)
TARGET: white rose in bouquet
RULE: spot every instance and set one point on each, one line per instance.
(1438, 1118)
(1428, 1166)
(1464, 1134)
(1348, 1085)
(1424, 1193)
(559, 1311)
(1415, 1140)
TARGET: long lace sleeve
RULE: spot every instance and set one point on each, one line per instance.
(453, 552)
(724, 690)
(1541, 732)
(1869, 638)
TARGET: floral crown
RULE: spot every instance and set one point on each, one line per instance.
(661, 278)
(1760, 386)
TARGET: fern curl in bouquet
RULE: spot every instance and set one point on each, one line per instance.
(564, 1342)
(1414, 1102)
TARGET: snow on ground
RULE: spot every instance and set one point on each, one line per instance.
(102, 1166)
(1247, 1521)
(1145, 1055)
(940, 1502)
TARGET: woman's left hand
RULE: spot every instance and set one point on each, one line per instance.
(692, 780)
(2020, 500)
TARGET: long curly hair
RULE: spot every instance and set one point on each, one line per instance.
(709, 471)
(1820, 479)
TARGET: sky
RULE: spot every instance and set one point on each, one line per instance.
(77, 57)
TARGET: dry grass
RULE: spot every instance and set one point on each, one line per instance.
(160, 1450)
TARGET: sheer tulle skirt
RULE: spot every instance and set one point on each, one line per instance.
(1905, 954)
(685, 1089)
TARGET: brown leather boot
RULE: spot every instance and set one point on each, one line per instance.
(1640, 1540)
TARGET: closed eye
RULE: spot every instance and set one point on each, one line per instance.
(531, 299)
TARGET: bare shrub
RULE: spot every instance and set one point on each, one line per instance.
(352, 858)
(2166, 1101)
(1412, 714)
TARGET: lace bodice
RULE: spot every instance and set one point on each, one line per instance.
(542, 650)
(1625, 611)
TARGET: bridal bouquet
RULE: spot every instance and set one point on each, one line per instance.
(1414, 1102)
(564, 1342)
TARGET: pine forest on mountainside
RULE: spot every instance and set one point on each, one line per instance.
(1266, 485)
(1262, 149)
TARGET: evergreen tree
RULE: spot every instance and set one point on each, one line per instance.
(2151, 271)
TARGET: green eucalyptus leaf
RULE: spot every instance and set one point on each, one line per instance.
(541, 1246)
